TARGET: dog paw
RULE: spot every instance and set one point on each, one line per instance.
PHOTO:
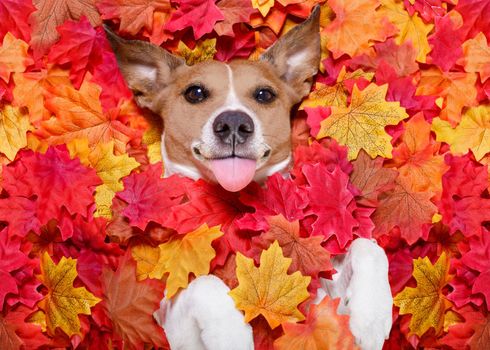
(368, 295)
(204, 317)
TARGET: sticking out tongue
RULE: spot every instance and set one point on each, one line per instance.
(234, 173)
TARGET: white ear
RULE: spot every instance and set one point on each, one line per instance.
(296, 55)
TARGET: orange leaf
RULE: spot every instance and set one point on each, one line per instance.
(426, 302)
(31, 87)
(52, 13)
(416, 157)
(133, 14)
(356, 26)
(307, 254)
(130, 305)
(323, 329)
(476, 53)
(79, 115)
(268, 290)
(13, 56)
(457, 88)
(63, 302)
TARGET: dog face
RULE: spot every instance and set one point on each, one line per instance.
(227, 122)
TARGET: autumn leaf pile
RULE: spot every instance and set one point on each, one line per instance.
(392, 143)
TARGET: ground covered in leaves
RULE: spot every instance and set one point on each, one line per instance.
(392, 143)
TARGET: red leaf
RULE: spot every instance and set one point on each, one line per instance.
(15, 15)
(446, 41)
(239, 46)
(331, 202)
(11, 259)
(201, 15)
(460, 334)
(21, 215)
(149, 197)
(474, 16)
(81, 46)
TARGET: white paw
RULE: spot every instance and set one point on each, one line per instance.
(204, 317)
(362, 283)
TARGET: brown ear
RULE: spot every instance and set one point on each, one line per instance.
(296, 55)
(147, 68)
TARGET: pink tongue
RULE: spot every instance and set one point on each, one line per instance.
(233, 174)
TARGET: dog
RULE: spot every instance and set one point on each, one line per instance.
(230, 123)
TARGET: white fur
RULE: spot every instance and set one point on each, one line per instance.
(176, 168)
(297, 59)
(204, 317)
(148, 72)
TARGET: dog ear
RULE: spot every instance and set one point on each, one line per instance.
(296, 55)
(147, 68)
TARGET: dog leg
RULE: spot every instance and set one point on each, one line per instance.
(362, 284)
(204, 317)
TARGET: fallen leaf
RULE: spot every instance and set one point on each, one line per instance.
(324, 328)
(234, 11)
(185, 254)
(268, 290)
(476, 56)
(203, 51)
(13, 57)
(426, 303)
(146, 258)
(361, 124)
(13, 129)
(63, 302)
(472, 133)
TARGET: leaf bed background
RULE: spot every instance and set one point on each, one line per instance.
(89, 229)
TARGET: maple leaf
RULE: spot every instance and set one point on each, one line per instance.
(182, 255)
(50, 14)
(323, 329)
(21, 215)
(426, 303)
(127, 300)
(234, 11)
(63, 302)
(410, 28)
(15, 15)
(356, 25)
(79, 115)
(31, 87)
(203, 51)
(481, 337)
(371, 178)
(240, 45)
(474, 18)
(149, 196)
(476, 56)
(416, 157)
(410, 211)
(13, 128)
(307, 254)
(81, 46)
(334, 217)
(473, 132)
(146, 258)
(201, 15)
(457, 89)
(133, 15)
(268, 290)
(13, 57)
(361, 124)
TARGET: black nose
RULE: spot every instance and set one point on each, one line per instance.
(233, 127)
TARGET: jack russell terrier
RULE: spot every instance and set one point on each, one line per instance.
(230, 123)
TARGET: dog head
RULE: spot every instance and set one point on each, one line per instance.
(227, 122)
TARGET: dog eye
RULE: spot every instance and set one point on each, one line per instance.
(195, 94)
(264, 95)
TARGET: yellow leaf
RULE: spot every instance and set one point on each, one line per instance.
(263, 6)
(336, 95)
(457, 88)
(426, 302)
(361, 124)
(268, 290)
(13, 128)
(203, 51)
(38, 318)
(410, 28)
(103, 201)
(146, 258)
(152, 138)
(473, 132)
(185, 254)
(13, 56)
(476, 56)
(63, 302)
